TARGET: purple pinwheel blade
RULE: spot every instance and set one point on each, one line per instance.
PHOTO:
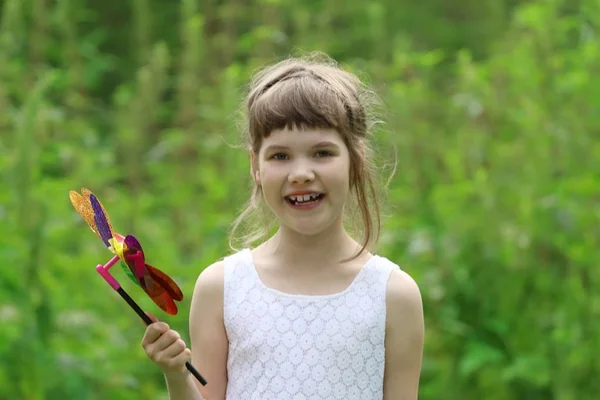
(101, 221)
(132, 243)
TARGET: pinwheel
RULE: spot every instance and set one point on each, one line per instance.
(157, 285)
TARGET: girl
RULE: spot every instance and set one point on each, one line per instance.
(310, 313)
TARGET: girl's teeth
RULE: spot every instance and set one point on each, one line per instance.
(305, 198)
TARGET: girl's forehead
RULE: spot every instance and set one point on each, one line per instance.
(303, 137)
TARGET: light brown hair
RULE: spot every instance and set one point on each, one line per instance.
(309, 93)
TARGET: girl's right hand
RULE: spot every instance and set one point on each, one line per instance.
(165, 347)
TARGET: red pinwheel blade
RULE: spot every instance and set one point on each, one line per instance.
(166, 303)
(162, 290)
(165, 282)
(157, 285)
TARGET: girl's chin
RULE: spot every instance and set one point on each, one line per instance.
(307, 226)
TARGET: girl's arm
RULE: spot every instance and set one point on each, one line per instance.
(182, 387)
(404, 338)
(209, 342)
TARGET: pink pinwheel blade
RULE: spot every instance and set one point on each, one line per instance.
(135, 256)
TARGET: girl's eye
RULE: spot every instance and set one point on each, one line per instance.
(278, 156)
(324, 153)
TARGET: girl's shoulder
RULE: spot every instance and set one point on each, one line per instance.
(213, 276)
(401, 287)
(386, 263)
(403, 293)
(210, 280)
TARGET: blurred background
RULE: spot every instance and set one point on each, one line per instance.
(493, 107)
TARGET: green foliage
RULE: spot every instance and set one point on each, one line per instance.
(492, 106)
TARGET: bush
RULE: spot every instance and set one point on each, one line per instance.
(493, 209)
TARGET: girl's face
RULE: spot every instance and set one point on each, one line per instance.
(304, 176)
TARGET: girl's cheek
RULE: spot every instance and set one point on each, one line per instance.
(336, 171)
(272, 173)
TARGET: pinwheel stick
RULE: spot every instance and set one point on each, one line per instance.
(103, 271)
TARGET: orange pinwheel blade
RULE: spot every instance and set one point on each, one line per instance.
(83, 206)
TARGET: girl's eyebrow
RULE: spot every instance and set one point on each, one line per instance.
(277, 147)
(325, 144)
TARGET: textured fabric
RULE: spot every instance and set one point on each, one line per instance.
(298, 347)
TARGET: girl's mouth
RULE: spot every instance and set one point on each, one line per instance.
(305, 201)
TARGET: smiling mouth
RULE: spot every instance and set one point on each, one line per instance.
(306, 199)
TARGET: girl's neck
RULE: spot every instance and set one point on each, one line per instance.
(294, 250)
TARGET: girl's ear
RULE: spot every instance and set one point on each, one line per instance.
(254, 172)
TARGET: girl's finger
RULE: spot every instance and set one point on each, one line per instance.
(181, 359)
(152, 317)
(174, 349)
(166, 340)
(153, 332)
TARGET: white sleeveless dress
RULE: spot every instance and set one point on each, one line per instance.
(300, 347)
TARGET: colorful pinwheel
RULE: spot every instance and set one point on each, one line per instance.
(157, 285)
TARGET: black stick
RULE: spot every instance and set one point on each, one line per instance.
(148, 321)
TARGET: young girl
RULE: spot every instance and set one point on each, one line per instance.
(310, 313)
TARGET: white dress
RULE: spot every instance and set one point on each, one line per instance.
(299, 347)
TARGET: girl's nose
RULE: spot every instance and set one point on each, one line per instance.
(301, 173)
